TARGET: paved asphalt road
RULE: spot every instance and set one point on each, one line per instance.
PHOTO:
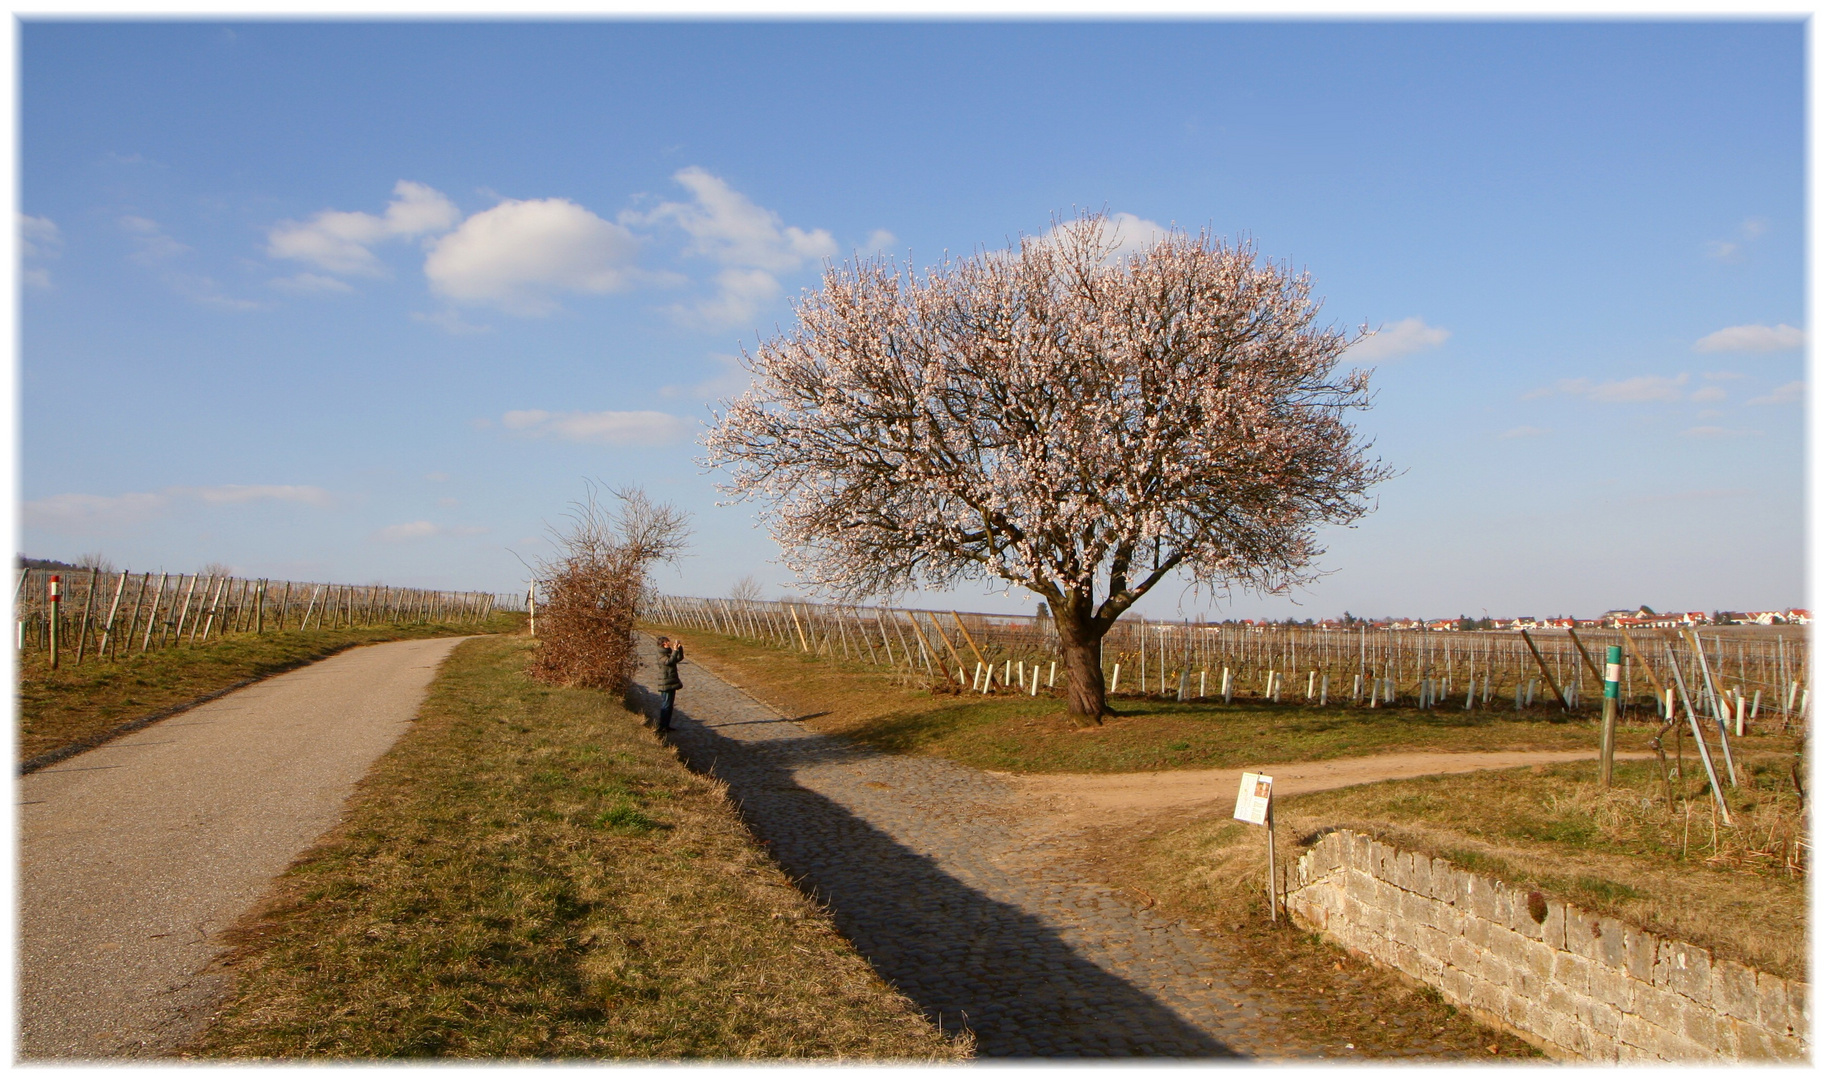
(135, 856)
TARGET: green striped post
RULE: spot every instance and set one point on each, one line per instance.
(1613, 669)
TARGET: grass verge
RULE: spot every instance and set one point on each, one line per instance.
(1618, 851)
(1032, 734)
(75, 703)
(529, 873)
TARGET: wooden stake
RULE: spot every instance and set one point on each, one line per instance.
(956, 657)
(139, 599)
(1705, 753)
(107, 628)
(88, 597)
(1725, 743)
(968, 639)
(1648, 669)
(804, 646)
(1273, 898)
(1597, 676)
(1545, 674)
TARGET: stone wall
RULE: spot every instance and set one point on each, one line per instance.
(1578, 985)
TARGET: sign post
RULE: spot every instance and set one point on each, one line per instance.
(1255, 805)
(56, 602)
(1613, 672)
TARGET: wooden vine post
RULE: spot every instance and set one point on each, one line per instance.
(970, 640)
(1613, 674)
(1546, 674)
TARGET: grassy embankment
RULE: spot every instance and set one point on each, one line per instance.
(1623, 851)
(78, 702)
(529, 873)
(1015, 733)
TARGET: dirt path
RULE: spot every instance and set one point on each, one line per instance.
(968, 892)
(1112, 798)
(133, 856)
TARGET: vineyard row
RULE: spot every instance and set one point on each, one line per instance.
(107, 614)
(1738, 674)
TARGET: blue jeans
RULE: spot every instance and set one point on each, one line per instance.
(665, 709)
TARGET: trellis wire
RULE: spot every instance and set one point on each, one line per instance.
(110, 614)
(1760, 672)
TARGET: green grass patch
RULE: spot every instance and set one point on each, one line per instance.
(530, 874)
(77, 702)
(1015, 733)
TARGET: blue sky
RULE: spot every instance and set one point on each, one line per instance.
(370, 301)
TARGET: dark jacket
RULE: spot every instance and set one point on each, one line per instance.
(668, 668)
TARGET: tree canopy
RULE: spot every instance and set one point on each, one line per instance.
(1063, 415)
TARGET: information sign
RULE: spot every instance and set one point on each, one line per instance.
(1252, 798)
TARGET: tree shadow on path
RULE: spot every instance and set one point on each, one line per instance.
(967, 959)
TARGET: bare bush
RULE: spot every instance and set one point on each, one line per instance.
(596, 587)
(96, 561)
(746, 591)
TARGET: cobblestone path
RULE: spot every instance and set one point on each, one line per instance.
(963, 905)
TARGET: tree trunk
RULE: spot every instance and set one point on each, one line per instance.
(1086, 696)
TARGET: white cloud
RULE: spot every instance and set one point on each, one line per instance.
(741, 294)
(1707, 431)
(411, 530)
(78, 511)
(450, 322)
(39, 237)
(1525, 432)
(240, 493)
(437, 477)
(151, 244)
(1134, 235)
(1622, 391)
(308, 283)
(750, 241)
(1752, 337)
(1710, 393)
(75, 511)
(1732, 251)
(1783, 394)
(642, 428)
(880, 240)
(727, 226)
(1407, 336)
(339, 240)
(203, 290)
(1721, 376)
(420, 530)
(155, 249)
(1127, 234)
(519, 252)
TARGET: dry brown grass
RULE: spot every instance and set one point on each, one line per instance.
(77, 702)
(1213, 876)
(1623, 852)
(530, 873)
(1013, 733)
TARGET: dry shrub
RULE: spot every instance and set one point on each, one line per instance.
(595, 587)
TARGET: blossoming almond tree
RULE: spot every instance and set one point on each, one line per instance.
(1059, 416)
